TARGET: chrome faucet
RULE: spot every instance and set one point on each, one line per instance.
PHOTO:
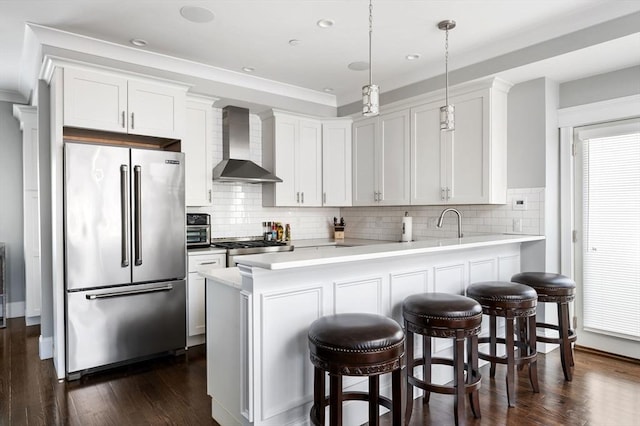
(439, 224)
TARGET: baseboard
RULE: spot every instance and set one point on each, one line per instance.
(45, 347)
(15, 309)
(29, 321)
(606, 354)
(195, 340)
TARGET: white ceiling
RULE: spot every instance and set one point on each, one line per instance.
(256, 33)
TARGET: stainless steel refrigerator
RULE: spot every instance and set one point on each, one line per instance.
(125, 254)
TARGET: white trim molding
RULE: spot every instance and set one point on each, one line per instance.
(12, 97)
(45, 347)
(612, 109)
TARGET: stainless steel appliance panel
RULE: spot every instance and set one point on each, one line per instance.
(116, 324)
(158, 209)
(97, 231)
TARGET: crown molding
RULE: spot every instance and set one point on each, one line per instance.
(92, 46)
(12, 97)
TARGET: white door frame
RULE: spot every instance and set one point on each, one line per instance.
(568, 118)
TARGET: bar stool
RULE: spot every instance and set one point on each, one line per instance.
(558, 289)
(355, 345)
(444, 315)
(512, 301)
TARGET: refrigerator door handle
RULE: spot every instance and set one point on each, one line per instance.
(168, 287)
(137, 171)
(124, 207)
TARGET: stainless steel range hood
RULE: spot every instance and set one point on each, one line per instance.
(235, 166)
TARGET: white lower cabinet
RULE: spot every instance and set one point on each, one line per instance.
(196, 313)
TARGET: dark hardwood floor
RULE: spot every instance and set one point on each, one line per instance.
(164, 391)
(172, 391)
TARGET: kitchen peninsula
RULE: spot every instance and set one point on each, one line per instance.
(258, 369)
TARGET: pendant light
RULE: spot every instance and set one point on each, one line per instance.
(371, 92)
(447, 112)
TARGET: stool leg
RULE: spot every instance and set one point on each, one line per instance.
(458, 372)
(492, 344)
(566, 357)
(473, 373)
(409, 353)
(426, 367)
(317, 410)
(509, 348)
(522, 338)
(374, 394)
(335, 400)
(396, 396)
(533, 364)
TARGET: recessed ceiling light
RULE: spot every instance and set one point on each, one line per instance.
(328, 89)
(196, 14)
(294, 42)
(248, 69)
(138, 42)
(358, 66)
(412, 56)
(326, 23)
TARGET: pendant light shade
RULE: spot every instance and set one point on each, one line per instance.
(447, 112)
(370, 92)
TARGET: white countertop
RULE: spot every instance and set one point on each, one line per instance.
(352, 253)
(227, 276)
(205, 250)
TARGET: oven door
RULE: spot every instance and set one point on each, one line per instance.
(198, 236)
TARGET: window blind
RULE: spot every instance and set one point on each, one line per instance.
(611, 243)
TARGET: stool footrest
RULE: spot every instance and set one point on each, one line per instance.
(473, 385)
(572, 337)
(502, 359)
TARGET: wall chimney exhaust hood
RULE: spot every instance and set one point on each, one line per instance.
(235, 166)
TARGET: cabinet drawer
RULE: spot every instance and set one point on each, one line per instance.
(206, 261)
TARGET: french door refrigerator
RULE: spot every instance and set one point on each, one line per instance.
(125, 254)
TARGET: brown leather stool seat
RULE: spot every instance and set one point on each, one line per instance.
(512, 301)
(444, 315)
(355, 345)
(558, 289)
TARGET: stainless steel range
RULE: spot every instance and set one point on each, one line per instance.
(248, 245)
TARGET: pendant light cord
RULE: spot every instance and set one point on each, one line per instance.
(370, 33)
(446, 66)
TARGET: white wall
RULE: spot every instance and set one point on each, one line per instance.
(237, 208)
(11, 211)
(601, 87)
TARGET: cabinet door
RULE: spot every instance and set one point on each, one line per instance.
(94, 100)
(427, 186)
(196, 312)
(197, 148)
(469, 162)
(336, 163)
(308, 163)
(156, 110)
(364, 185)
(286, 136)
(393, 159)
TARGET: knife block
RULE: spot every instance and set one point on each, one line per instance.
(338, 232)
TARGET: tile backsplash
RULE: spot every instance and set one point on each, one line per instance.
(237, 210)
(385, 223)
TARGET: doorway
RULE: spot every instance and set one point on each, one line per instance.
(607, 236)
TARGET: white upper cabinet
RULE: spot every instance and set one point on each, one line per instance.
(292, 150)
(381, 155)
(118, 103)
(336, 162)
(197, 146)
(468, 165)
